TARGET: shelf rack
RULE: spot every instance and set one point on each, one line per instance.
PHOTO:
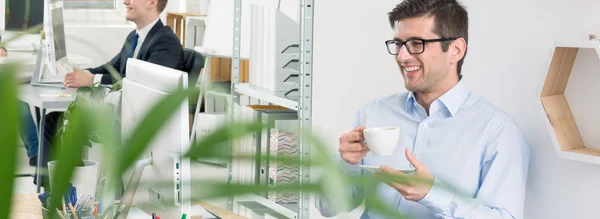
(299, 108)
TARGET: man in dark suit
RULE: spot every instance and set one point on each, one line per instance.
(152, 41)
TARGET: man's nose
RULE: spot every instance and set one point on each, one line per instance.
(403, 53)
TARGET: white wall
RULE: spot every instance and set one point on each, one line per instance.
(510, 43)
(351, 66)
(100, 43)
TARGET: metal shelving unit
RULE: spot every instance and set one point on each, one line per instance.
(300, 109)
(277, 98)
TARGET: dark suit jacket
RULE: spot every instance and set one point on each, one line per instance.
(161, 47)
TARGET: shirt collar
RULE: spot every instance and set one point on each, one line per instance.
(452, 99)
(142, 33)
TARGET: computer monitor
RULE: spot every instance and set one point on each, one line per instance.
(54, 27)
(20, 15)
(17, 17)
(145, 84)
(58, 33)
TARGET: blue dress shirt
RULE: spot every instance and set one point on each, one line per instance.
(466, 143)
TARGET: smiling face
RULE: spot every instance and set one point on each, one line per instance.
(138, 9)
(424, 72)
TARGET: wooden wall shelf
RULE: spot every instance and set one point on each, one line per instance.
(561, 123)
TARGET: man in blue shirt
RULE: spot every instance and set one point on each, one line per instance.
(452, 138)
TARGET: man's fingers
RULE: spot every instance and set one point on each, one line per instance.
(352, 137)
(359, 128)
(358, 154)
(354, 157)
(390, 170)
(394, 175)
(69, 76)
(353, 147)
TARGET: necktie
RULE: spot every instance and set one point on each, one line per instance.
(133, 45)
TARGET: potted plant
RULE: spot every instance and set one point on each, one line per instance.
(85, 177)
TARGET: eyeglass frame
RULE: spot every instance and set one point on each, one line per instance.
(425, 41)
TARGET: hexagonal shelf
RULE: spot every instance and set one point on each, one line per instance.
(561, 123)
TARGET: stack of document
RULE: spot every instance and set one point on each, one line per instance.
(274, 39)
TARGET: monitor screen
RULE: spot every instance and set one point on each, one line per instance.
(20, 15)
(58, 28)
(154, 82)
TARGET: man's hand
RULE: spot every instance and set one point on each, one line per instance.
(79, 78)
(412, 187)
(352, 147)
(3, 52)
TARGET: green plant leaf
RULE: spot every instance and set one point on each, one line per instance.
(140, 139)
(107, 132)
(335, 183)
(9, 124)
(203, 190)
(375, 204)
(69, 152)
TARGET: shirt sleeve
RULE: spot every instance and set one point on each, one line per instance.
(97, 77)
(501, 193)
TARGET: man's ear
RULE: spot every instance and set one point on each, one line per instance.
(457, 50)
(153, 3)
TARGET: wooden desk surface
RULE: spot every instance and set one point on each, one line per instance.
(26, 206)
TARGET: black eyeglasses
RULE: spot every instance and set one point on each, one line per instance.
(414, 46)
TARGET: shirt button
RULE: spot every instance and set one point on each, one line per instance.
(417, 154)
(425, 124)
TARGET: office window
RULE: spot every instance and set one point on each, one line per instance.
(90, 4)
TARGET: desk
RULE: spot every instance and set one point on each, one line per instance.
(44, 98)
(28, 206)
(41, 97)
(27, 61)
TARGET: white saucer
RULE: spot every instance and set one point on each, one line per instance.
(374, 169)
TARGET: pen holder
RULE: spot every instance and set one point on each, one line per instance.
(85, 178)
(45, 213)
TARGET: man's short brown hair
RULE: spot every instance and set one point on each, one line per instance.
(451, 19)
(161, 5)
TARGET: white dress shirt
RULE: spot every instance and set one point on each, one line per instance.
(142, 33)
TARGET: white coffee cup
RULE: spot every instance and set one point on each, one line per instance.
(382, 141)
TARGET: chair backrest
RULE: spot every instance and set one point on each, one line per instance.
(194, 62)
